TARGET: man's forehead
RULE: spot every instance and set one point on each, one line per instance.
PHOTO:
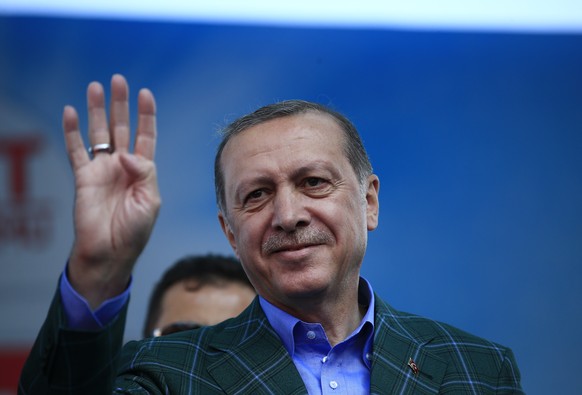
(308, 125)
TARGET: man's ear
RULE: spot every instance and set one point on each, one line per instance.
(372, 202)
(227, 231)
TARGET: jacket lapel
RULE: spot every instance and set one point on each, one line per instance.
(401, 364)
(252, 359)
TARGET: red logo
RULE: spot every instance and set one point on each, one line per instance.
(23, 218)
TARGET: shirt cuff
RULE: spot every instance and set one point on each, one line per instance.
(78, 313)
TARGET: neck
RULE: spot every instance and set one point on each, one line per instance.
(339, 316)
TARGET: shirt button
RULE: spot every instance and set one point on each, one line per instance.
(333, 384)
(311, 335)
(324, 359)
(368, 356)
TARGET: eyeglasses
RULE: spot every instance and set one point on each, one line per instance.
(174, 328)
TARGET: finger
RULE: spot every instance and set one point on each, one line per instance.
(146, 134)
(78, 155)
(119, 113)
(98, 130)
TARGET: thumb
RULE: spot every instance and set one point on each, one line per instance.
(135, 165)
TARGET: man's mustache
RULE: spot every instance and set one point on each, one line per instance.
(300, 238)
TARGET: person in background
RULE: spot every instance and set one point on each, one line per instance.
(197, 290)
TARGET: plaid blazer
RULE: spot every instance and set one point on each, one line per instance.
(243, 355)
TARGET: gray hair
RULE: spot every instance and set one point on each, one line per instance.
(353, 146)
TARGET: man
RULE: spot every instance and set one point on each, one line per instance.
(296, 197)
(196, 291)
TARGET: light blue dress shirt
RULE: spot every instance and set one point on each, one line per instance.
(342, 369)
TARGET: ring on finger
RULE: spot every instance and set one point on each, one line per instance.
(98, 148)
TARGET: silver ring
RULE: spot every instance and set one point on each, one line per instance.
(97, 148)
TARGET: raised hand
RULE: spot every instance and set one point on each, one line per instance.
(116, 192)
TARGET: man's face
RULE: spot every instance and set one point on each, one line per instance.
(296, 215)
(187, 301)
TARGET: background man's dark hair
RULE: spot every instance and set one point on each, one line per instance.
(206, 269)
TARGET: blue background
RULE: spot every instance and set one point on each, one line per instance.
(476, 137)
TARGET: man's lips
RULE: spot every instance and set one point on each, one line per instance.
(295, 247)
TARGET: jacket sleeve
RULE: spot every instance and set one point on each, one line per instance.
(71, 361)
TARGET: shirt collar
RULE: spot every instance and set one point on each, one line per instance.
(284, 323)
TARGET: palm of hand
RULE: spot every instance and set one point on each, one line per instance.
(116, 206)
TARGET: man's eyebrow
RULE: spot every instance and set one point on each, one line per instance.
(319, 165)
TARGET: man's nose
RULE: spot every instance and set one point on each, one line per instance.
(289, 210)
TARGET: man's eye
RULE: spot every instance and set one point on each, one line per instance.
(313, 181)
(255, 194)
(255, 199)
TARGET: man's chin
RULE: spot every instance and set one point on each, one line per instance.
(305, 289)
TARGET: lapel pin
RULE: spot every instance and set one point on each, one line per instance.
(412, 365)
